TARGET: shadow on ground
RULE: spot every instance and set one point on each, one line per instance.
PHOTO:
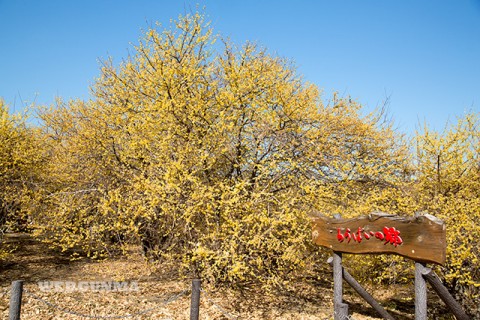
(33, 261)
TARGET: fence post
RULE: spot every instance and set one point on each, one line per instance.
(443, 293)
(16, 300)
(195, 304)
(362, 292)
(340, 309)
(420, 292)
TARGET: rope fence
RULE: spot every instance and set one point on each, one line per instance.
(219, 308)
(4, 293)
(64, 310)
(17, 291)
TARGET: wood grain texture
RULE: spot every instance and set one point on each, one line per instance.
(423, 238)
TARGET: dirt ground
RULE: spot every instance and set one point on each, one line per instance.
(153, 293)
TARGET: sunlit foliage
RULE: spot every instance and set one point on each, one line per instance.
(214, 157)
(21, 162)
(448, 185)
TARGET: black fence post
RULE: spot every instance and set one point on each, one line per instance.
(195, 304)
(16, 300)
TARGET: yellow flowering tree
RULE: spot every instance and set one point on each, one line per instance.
(215, 156)
(448, 185)
(211, 158)
(21, 162)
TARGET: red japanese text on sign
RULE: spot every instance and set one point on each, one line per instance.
(390, 235)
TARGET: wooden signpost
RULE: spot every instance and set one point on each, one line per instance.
(421, 238)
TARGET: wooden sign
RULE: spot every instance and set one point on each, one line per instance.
(421, 238)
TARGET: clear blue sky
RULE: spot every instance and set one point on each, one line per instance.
(424, 55)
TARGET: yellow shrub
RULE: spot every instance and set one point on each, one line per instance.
(217, 158)
(21, 161)
(214, 159)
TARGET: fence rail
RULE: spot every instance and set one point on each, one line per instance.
(67, 311)
(18, 291)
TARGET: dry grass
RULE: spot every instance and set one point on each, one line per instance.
(32, 262)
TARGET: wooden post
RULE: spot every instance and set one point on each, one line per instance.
(420, 292)
(443, 293)
(195, 303)
(16, 300)
(340, 309)
(362, 292)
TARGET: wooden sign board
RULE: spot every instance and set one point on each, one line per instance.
(421, 238)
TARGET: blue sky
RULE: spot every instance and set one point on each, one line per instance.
(423, 55)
